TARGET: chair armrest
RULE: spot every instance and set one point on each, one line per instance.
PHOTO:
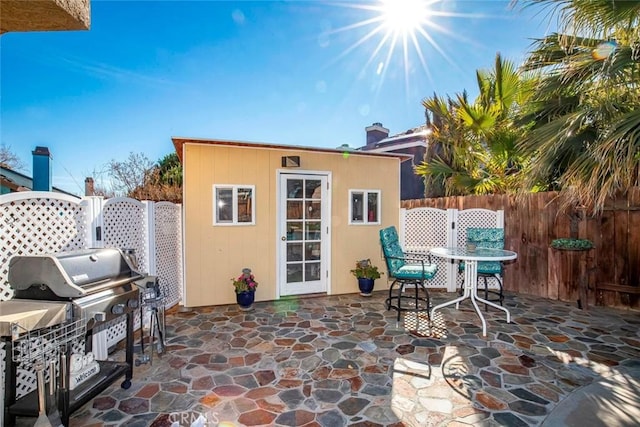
(418, 256)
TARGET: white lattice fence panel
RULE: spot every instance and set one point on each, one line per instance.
(124, 227)
(33, 223)
(476, 218)
(117, 331)
(38, 225)
(423, 229)
(168, 239)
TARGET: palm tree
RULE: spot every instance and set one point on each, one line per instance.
(473, 145)
(586, 138)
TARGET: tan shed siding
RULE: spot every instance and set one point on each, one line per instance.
(213, 255)
(353, 242)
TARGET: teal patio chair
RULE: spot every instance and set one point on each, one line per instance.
(406, 269)
(492, 238)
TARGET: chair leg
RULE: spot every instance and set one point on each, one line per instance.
(427, 301)
(400, 290)
(486, 290)
(390, 293)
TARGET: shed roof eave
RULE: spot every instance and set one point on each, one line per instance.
(179, 142)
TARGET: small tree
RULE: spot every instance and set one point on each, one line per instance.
(130, 174)
(9, 159)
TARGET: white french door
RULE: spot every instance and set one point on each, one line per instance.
(304, 233)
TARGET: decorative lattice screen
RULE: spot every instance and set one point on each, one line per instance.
(168, 239)
(124, 226)
(424, 228)
(476, 218)
(32, 226)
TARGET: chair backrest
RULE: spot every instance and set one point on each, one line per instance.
(393, 253)
(492, 238)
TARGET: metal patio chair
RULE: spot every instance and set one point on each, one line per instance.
(406, 269)
(492, 238)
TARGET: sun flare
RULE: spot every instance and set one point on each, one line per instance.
(404, 16)
(401, 29)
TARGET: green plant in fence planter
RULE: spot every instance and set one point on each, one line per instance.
(567, 244)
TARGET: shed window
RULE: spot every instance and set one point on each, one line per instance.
(233, 205)
(364, 206)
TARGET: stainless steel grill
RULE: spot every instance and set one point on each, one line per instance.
(100, 283)
(95, 285)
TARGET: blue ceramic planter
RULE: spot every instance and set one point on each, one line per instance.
(245, 299)
(366, 286)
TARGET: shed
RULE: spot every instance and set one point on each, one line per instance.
(298, 217)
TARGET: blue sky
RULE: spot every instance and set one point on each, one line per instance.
(285, 72)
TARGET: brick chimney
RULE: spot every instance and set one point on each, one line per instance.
(376, 133)
(41, 169)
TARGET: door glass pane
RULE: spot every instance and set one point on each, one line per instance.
(312, 271)
(294, 273)
(313, 230)
(294, 209)
(294, 189)
(294, 231)
(313, 188)
(312, 252)
(313, 210)
(294, 251)
(224, 204)
(372, 207)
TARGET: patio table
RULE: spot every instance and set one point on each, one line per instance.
(471, 259)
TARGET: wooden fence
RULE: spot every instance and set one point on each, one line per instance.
(612, 268)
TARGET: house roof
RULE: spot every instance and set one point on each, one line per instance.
(413, 137)
(178, 143)
(17, 181)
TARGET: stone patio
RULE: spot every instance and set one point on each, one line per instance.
(345, 360)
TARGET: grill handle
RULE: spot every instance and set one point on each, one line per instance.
(114, 283)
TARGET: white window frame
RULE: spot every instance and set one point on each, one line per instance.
(234, 220)
(365, 198)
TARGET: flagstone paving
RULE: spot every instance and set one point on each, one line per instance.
(345, 360)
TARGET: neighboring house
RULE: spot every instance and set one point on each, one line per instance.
(413, 143)
(12, 181)
(299, 217)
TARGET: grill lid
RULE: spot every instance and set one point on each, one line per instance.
(71, 274)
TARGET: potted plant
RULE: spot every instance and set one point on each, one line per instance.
(245, 286)
(366, 273)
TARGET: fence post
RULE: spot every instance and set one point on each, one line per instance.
(452, 241)
(150, 236)
(95, 226)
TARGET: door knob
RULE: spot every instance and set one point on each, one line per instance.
(284, 239)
